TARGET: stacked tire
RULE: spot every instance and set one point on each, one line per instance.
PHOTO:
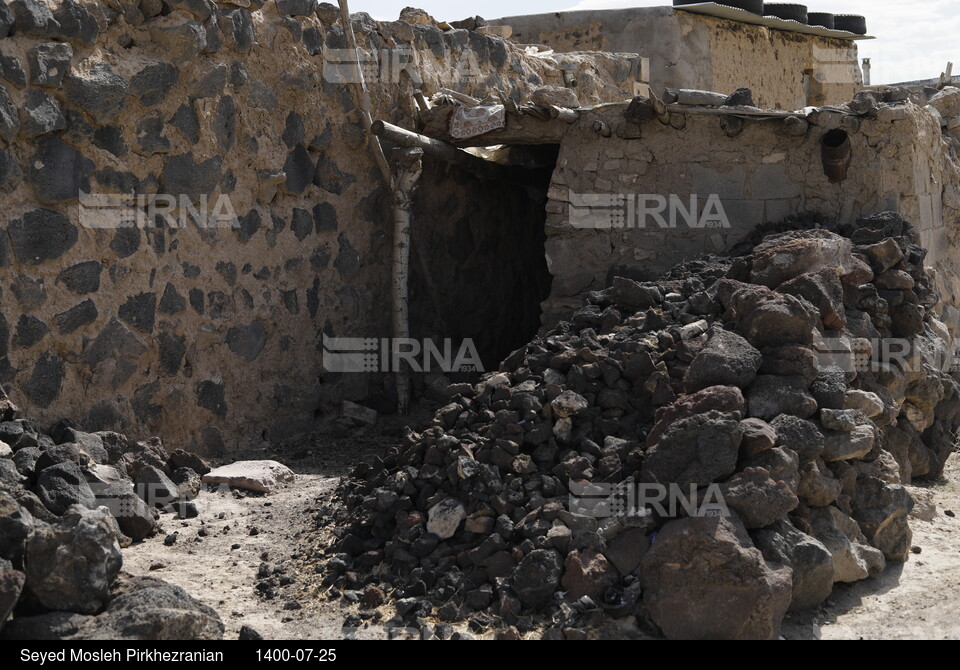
(822, 19)
(752, 6)
(852, 23)
(785, 11)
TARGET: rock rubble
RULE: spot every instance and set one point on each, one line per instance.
(765, 380)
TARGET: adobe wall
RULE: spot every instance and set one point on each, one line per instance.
(689, 50)
(900, 162)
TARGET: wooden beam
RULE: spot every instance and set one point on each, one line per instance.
(448, 153)
(521, 128)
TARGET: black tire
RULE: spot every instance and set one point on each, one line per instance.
(752, 6)
(786, 11)
(822, 19)
(851, 23)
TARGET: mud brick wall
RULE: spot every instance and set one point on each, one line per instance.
(206, 336)
(899, 162)
(689, 50)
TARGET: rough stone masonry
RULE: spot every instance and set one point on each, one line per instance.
(211, 334)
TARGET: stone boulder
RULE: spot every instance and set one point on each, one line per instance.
(758, 436)
(71, 565)
(810, 561)
(882, 509)
(63, 485)
(144, 608)
(185, 459)
(155, 488)
(262, 476)
(141, 608)
(853, 557)
(772, 395)
(141, 454)
(883, 255)
(63, 453)
(757, 498)
(845, 446)
(727, 399)
(824, 291)
(704, 579)
(587, 573)
(869, 403)
(10, 478)
(445, 518)
(91, 443)
(537, 576)
(726, 360)
(627, 549)
(11, 584)
(769, 319)
(829, 389)
(782, 464)
(800, 436)
(133, 515)
(818, 487)
(947, 102)
(780, 258)
(51, 626)
(700, 450)
(791, 360)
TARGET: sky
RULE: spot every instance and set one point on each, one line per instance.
(915, 38)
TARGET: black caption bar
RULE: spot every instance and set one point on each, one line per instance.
(53, 654)
(320, 654)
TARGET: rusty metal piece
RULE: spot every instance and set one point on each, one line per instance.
(837, 153)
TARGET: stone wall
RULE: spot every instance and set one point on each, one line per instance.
(207, 336)
(689, 50)
(899, 162)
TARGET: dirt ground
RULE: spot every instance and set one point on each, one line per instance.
(916, 600)
(217, 556)
(241, 541)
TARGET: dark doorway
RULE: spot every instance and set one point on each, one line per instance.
(478, 268)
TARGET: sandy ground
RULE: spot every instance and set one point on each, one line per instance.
(217, 557)
(919, 599)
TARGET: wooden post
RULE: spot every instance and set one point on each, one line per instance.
(409, 170)
(363, 93)
(400, 326)
(946, 77)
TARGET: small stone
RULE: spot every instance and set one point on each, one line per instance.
(49, 63)
(248, 633)
(568, 404)
(40, 114)
(100, 92)
(445, 518)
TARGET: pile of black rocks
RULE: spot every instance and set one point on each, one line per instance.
(795, 385)
(69, 500)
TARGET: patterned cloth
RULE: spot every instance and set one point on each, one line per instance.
(472, 121)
